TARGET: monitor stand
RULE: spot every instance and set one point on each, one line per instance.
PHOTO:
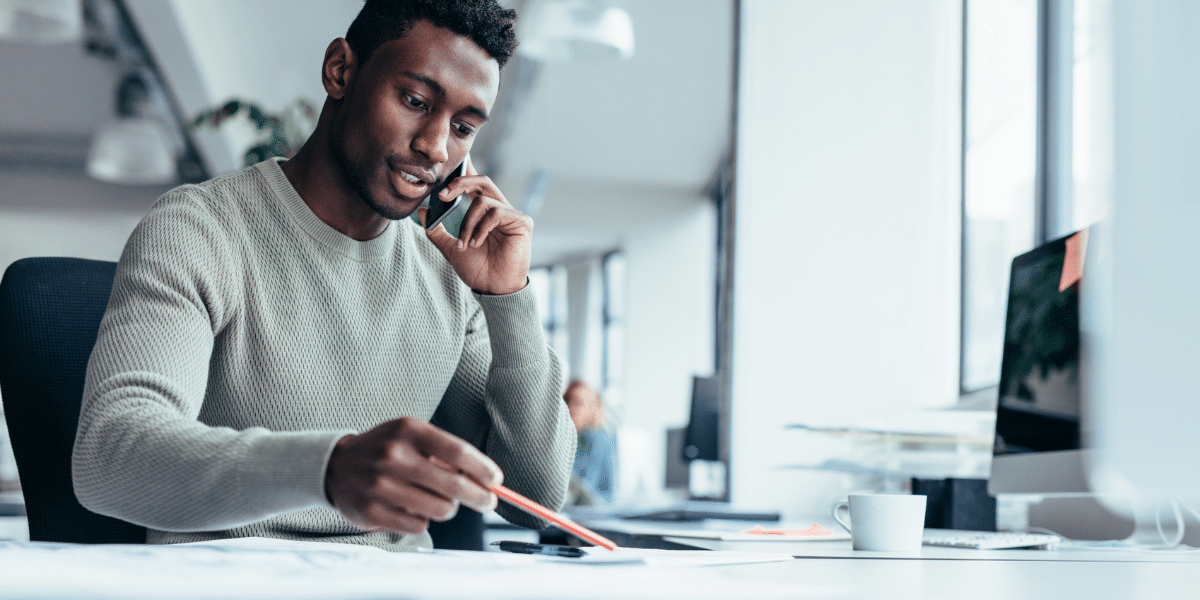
(1085, 517)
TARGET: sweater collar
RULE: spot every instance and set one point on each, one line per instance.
(317, 229)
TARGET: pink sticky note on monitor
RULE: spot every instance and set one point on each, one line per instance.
(1073, 264)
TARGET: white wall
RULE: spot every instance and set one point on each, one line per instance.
(57, 214)
(846, 298)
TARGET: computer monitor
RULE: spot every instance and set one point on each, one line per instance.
(702, 436)
(1042, 447)
(1037, 448)
(1057, 346)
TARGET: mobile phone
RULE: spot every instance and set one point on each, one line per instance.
(438, 210)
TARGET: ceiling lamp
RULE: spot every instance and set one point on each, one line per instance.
(133, 149)
(563, 30)
(41, 21)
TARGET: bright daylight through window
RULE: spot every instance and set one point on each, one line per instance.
(1000, 168)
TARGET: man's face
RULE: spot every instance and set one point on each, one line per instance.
(410, 115)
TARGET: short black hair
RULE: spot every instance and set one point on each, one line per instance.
(488, 24)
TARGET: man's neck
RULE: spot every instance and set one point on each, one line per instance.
(315, 175)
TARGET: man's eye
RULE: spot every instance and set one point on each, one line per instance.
(414, 102)
(464, 130)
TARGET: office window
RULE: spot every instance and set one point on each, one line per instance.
(1000, 154)
(1032, 169)
(1090, 112)
(549, 286)
(613, 320)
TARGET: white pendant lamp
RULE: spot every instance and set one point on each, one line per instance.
(564, 30)
(41, 21)
(133, 149)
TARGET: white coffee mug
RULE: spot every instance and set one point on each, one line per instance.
(884, 522)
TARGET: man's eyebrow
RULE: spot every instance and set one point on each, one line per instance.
(441, 91)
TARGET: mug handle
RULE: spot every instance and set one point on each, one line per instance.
(836, 517)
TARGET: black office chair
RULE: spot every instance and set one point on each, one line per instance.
(50, 311)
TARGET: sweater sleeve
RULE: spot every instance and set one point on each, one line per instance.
(140, 454)
(506, 398)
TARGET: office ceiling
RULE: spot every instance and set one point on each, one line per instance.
(658, 122)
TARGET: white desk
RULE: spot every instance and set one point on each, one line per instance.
(301, 570)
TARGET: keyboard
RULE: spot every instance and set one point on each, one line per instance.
(989, 540)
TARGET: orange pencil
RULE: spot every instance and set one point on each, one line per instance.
(568, 525)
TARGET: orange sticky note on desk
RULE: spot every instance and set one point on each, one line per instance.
(814, 530)
(1073, 263)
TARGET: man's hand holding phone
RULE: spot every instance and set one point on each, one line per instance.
(495, 243)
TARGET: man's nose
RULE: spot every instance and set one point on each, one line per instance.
(431, 139)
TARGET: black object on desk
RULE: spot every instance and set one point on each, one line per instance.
(954, 503)
(542, 549)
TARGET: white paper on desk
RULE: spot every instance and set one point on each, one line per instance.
(274, 569)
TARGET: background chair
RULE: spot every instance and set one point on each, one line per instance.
(50, 311)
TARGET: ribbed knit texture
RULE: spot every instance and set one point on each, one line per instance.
(244, 337)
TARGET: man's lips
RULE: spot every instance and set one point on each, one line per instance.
(410, 182)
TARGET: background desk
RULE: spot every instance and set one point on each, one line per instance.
(659, 535)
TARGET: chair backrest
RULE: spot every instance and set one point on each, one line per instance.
(50, 311)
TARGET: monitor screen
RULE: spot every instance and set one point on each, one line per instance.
(1039, 400)
(701, 438)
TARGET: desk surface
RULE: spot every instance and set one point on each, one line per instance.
(300, 570)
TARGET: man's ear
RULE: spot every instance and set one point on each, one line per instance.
(338, 69)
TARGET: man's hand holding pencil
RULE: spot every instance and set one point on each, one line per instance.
(406, 472)
(387, 478)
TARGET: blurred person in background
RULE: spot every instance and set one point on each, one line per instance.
(592, 472)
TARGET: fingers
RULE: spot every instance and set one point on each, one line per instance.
(407, 508)
(485, 217)
(483, 192)
(468, 474)
(477, 186)
(388, 478)
(455, 454)
(439, 236)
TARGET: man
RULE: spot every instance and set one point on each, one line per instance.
(260, 321)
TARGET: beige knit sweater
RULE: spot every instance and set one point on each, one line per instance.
(244, 337)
